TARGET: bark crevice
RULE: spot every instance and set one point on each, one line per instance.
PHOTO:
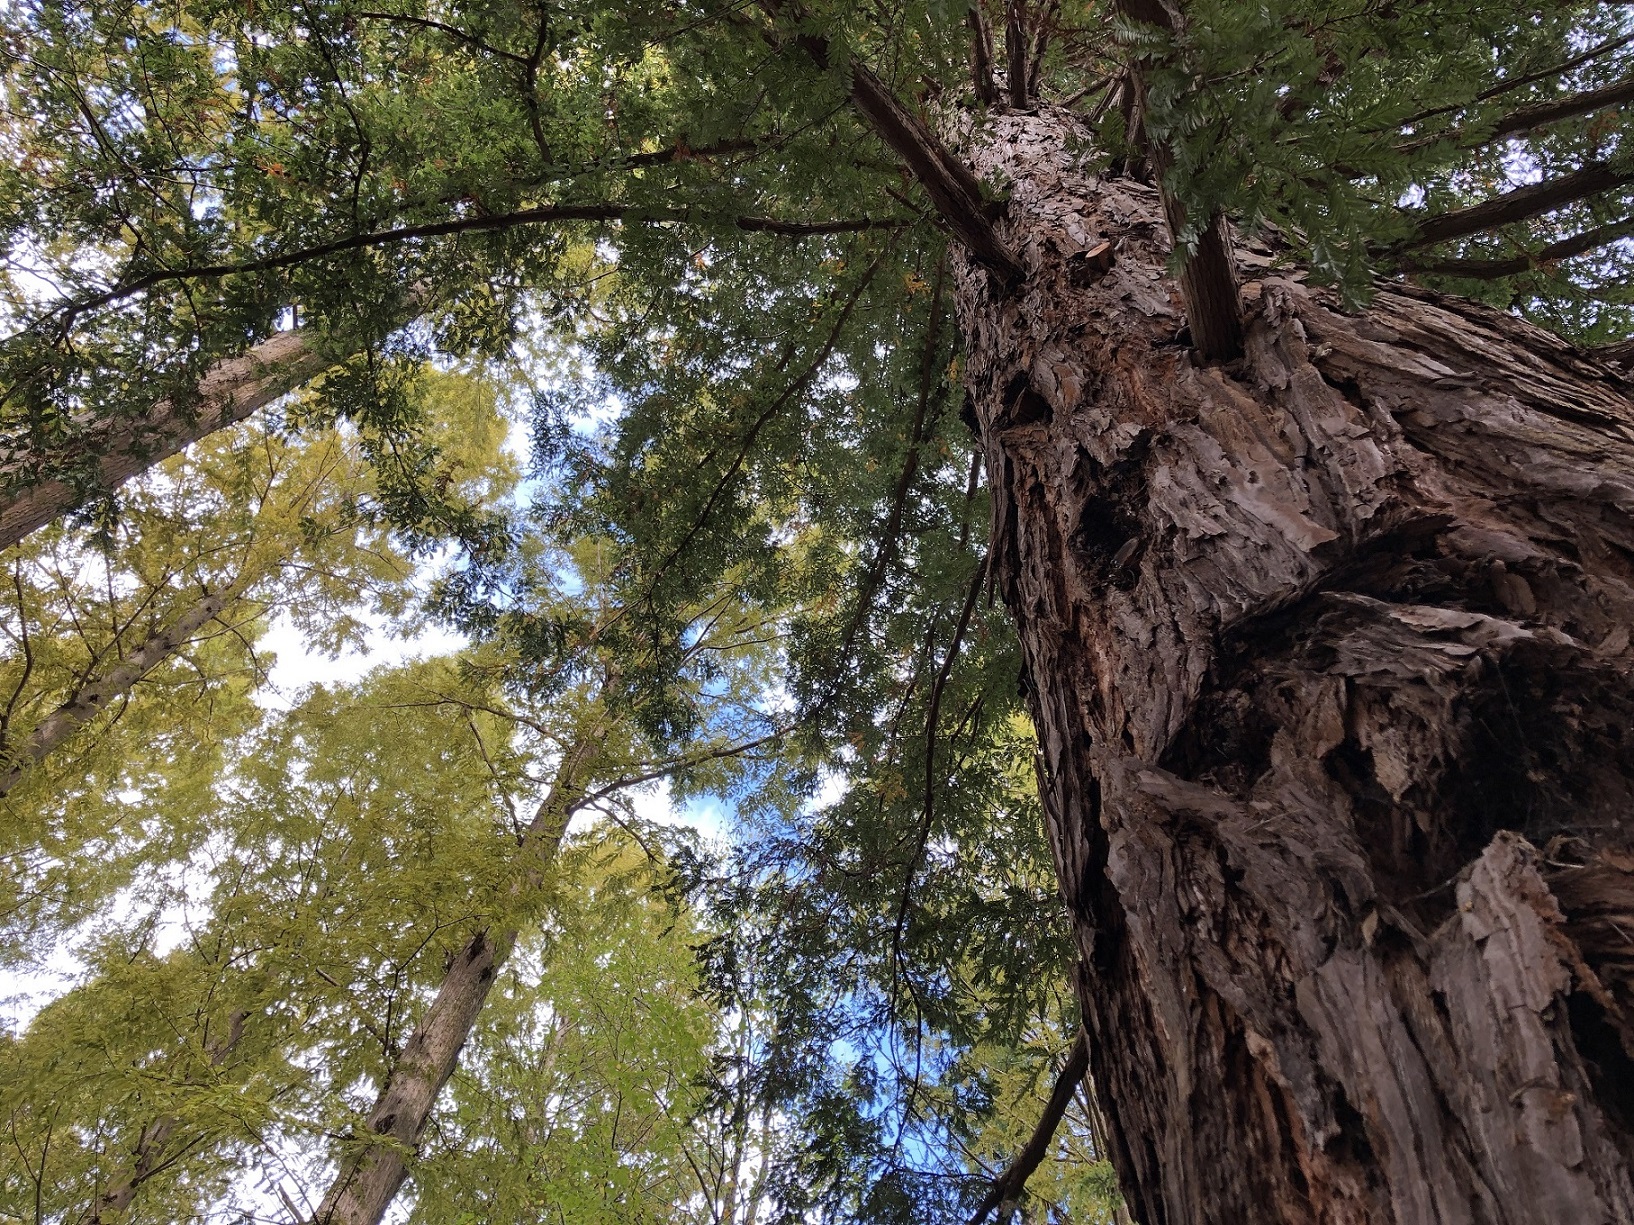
(1329, 654)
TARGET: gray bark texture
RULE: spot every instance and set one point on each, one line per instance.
(1329, 656)
(97, 692)
(34, 492)
(373, 1172)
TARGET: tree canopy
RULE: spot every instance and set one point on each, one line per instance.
(701, 252)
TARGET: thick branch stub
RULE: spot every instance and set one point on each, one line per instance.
(951, 185)
(1208, 280)
(1015, 52)
(953, 189)
(981, 56)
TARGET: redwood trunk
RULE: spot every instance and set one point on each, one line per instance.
(1329, 655)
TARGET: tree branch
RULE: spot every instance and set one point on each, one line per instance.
(489, 222)
(370, 1174)
(1015, 52)
(1531, 78)
(1041, 44)
(1620, 353)
(981, 56)
(1008, 1186)
(949, 183)
(1208, 278)
(96, 692)
(952, 187)
(1565, 248)
(1530, 201)
(927, 819)
(1526, 118)
(453, 32)
(233, 389)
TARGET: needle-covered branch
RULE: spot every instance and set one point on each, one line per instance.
(1527, 118)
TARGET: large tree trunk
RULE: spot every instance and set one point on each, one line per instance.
(1329, 655)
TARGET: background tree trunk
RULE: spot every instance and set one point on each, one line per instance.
(1329, 653)
(34, 489)
(377, 1164)
(96, 691)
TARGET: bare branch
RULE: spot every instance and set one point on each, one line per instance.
(1565, 248)
(483, 223)
(1015, 52)
(1007, 1188)
(981, 56)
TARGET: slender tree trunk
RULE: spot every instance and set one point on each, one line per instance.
(96, 692)
(1329, 654)
(37, 488)
(148, 1157)
(374, 1170)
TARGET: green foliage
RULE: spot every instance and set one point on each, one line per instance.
(1344, 124)
(1011, 1082)
(755, 519)
(580, 1093)
(270, 526)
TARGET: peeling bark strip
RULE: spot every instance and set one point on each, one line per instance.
(373, 1172)
(1324, 644)
(95, 693)
(234, 389)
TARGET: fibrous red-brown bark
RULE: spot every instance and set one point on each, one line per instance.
(1329, 655)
